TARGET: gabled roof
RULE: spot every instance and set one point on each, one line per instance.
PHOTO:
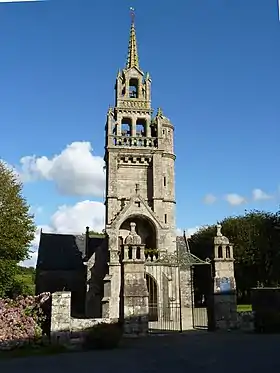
(185, 256)
(182, 257)
(64, 251)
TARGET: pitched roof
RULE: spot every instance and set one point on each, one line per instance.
(64, 251)
(185, 256)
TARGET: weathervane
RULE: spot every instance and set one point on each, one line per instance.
(132, 13)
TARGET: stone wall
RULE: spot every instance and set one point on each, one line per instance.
(245, 321)
(62, 324)
(225, 311)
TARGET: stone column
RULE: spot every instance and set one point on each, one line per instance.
(61, 316)
(134, 286)
(225, 304)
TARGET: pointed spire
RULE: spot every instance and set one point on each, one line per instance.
(132, 57)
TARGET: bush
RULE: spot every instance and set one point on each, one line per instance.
(103, 336)
(22, 320)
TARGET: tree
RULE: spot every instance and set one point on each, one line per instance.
(95, 234)
(17, 227)
(256, 240)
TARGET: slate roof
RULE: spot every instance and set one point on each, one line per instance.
(64, 251)
(187, 258)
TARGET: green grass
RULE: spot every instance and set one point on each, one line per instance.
(244, 307)
(33, 351)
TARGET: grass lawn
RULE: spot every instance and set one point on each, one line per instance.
(33, 351)
(244, 307)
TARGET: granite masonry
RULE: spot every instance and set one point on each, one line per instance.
(132, 272)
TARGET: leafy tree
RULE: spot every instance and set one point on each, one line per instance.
(256, 240)
(17, 228)
(96, 234)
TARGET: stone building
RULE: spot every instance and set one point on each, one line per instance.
(131, 271)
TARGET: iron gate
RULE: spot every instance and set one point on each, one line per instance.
(202, 297)
(163, 283)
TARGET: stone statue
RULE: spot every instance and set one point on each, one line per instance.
(133, 238)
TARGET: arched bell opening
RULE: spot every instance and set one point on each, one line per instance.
(133, 88)
(126, 126)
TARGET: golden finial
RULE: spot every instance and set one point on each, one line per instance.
(132, 57)
(159, 112)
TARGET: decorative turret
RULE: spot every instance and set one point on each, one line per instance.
(224, 282)
(223, 248)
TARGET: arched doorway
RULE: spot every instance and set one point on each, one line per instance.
(153, 297)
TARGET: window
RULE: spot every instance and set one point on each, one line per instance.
(141, 126)
(165, 218)
(138, 253)
(164, 181)
(126, 127)
(133, 88)
(220, 252)
(227, 252)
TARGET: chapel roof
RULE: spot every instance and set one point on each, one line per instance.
(65, 251)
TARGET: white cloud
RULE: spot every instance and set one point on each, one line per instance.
(31, 262)
(70, 219)
(35, 210)
(74, 219)
(209, 199)
(191, 231)
(235, 199)
(259, 195)
(188, 231)
(75, 171)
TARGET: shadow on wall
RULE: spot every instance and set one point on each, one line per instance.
(97, 270)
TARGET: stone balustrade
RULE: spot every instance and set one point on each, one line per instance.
(136, 141)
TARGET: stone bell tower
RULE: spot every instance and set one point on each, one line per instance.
(139, 158)
(224, 283)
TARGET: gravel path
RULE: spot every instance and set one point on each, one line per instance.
(220, 353)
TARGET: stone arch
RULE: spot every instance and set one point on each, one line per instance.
(145, 228)
(153, 297)
(133, 88)
(126, 126)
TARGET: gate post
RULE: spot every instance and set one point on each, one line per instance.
(135, 291)
(225, 304)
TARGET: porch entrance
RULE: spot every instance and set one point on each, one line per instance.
(164, 301)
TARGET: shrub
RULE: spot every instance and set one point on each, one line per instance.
(103, 336)
(22, 320)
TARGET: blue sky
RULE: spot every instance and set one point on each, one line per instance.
(215, 71)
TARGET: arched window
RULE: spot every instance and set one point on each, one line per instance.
(220, 252)
(153, 298)
(126, 127)
(141, 127)
(133, 88)
(138, 253)
(130, 253)
(227, 252)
